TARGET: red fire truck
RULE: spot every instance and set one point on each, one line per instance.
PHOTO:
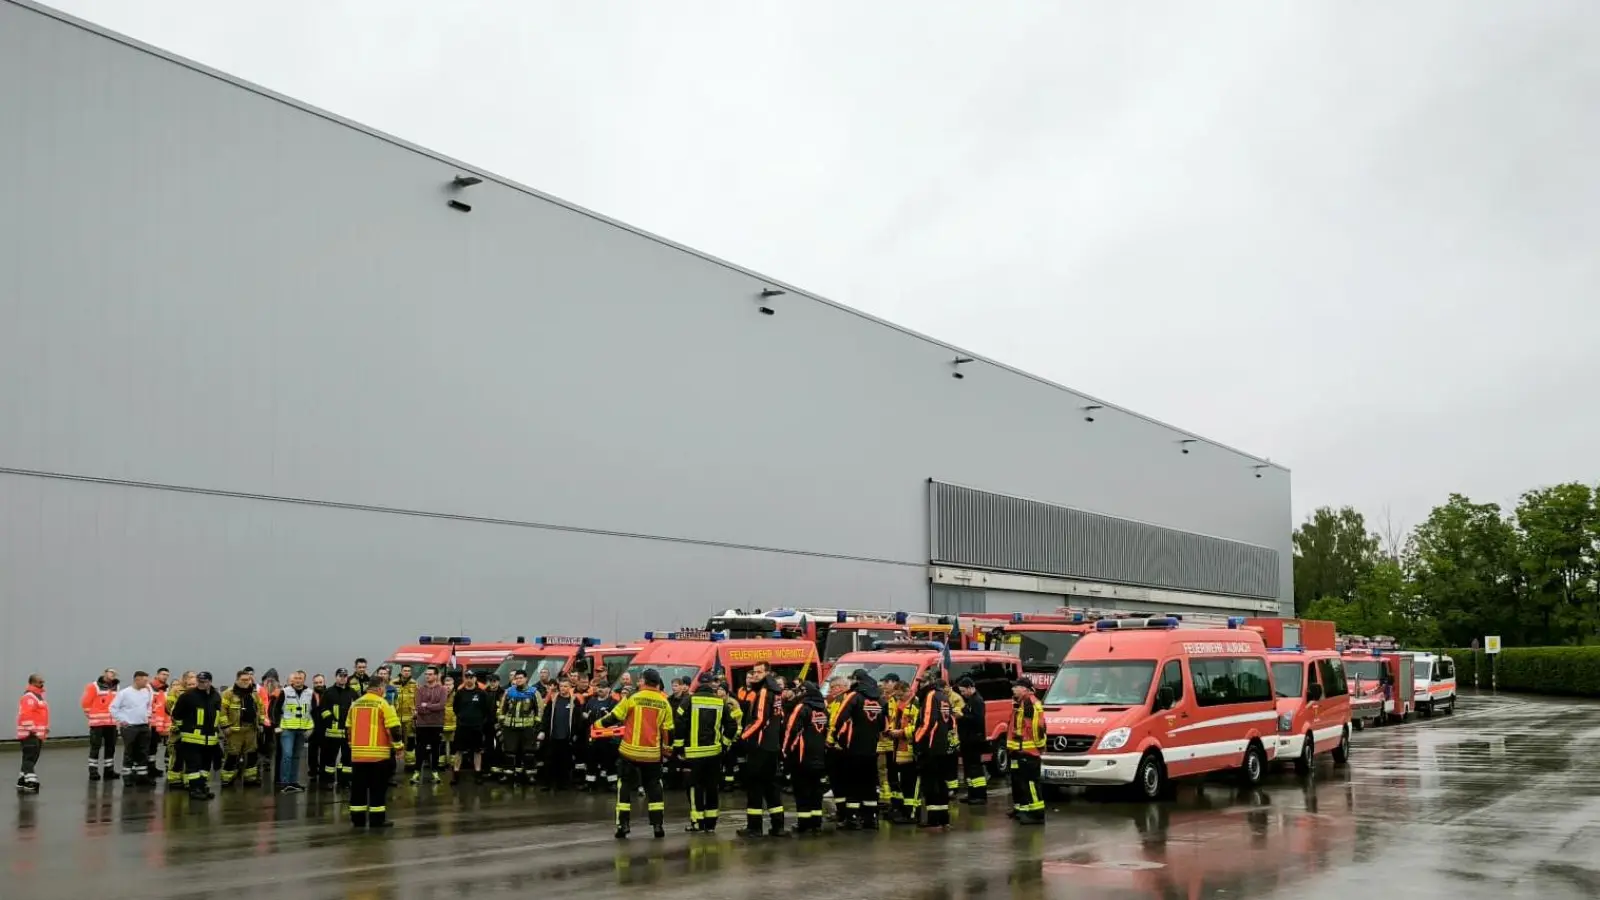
(451, 655)
(837, 631)
(1381, 677)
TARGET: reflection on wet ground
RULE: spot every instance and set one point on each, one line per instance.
(1497, 801)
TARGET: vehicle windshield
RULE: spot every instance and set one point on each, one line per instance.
(906, 672)
(1369, 670)
(1040, 651)
(533, 665)
(847, 640)
(667, 673)
(1083, 683)
(1422, 670)
(615, 664)
(1288, 679)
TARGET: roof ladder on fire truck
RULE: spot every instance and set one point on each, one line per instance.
(1185, 619)
(825, 614)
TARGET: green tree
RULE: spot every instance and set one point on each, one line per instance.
(1385, 602)
(1464, 564)
(1560, 544)
(1332, 553)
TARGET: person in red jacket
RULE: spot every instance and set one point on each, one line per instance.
(96, 703)
(33, 726)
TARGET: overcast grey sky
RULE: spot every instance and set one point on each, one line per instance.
(1356, 237)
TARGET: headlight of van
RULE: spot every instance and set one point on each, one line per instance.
(1114, 739)
(1285, 722)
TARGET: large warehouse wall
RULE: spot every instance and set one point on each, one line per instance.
(206, 287)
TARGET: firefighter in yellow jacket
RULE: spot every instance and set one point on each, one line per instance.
(405, 706)
(241, 729)
(646, 718)
(895, 696)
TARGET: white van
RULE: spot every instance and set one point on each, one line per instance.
(1435, 678)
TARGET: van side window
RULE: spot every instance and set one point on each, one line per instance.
(992, 679)
(1331, 672)
(1447, 668)
(1172, 677)
(1218, 682)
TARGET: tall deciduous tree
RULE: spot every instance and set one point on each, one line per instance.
(1560, 528)
(1464, 561)
(1332, 553)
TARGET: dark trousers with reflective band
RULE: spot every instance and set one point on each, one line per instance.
(933, 788)
(1025, 796)
(633, 775)
(31, 748)
(972, 766)
(908, 801)
(195, 761)
(335, 760)
(762, 790)
(136, 750)
(369, 792)
(102, 740)
(808, 798)
(860, 774)
(602, 763)
(705, 778)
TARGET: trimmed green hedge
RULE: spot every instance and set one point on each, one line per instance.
(1569, 671)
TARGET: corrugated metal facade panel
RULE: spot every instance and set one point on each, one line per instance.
(993, 531)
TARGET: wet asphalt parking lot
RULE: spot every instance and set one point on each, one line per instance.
(1497, 801)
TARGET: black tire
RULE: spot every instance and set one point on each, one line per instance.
(1425, 710)
(1254, 766)
(1306, 762)
(1356, 724)
(1451, 709)
(1150, 779)
(1341, 753)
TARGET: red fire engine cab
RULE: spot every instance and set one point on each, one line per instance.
(1381, 676)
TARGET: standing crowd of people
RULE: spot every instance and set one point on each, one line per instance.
(893, 751)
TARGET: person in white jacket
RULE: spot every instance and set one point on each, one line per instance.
(131, 711)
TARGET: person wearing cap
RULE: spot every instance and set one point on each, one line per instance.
(33, 726)
(331, 713)
(855, 728)
(376, 745)
(474, 713)
(197, 720)
(972, 724)
(646, 719)
(1024, 744)
(931, 745)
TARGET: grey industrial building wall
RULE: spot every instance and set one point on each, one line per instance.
(266, 400)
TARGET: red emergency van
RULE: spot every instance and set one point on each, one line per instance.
(1380, 673)
(839, 631)
(567, 654)
(1313, 706)
(992, 673)
(697, 653)
(1141, 702)
(452, 655)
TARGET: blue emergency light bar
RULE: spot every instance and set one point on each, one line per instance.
(1236, 621)
(429, 640)
(1295, 649)
(1132, 624)
(563, 640)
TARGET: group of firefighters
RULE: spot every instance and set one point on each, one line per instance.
(893, 749)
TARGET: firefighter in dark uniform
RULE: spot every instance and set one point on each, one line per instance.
(1025, 743)
(931, 745)
(706, 731)
(763, 739)
(493, 757)
(676, 774)
(805, 744)
(972, 726)
(604, 741)
(331, 709)
(196, 717)
(857, 725)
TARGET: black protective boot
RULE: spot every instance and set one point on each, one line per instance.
(777, 826)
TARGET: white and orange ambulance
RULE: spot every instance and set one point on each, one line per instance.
(1435, 680)
(1142, 701)
(1313, 706)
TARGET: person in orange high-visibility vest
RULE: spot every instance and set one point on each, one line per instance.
(375, 742)
(160, 719)
(646, 719)
(96, 703)
(33, 726)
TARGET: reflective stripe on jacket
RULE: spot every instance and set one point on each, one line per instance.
(1027, 729)
(372, 724)
(33, 714)
(96, 704)
(294, 709)
(160, 710)
(646, 719)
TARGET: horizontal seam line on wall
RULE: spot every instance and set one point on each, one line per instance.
(454, 517)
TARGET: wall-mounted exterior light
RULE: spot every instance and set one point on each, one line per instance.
(1090, 410)
(958, 362)
(1184, 444)
(466, 181)
(1258, 467)
(768, 294)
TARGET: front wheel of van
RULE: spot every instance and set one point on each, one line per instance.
(1341, 753)
(1254, 767)
(1306, 762)
(1150, 781)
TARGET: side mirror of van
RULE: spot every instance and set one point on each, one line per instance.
(1314, 693)
(1164, 698)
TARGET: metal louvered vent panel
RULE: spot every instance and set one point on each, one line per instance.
(992, 531)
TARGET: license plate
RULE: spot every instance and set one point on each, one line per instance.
(1060, 773)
